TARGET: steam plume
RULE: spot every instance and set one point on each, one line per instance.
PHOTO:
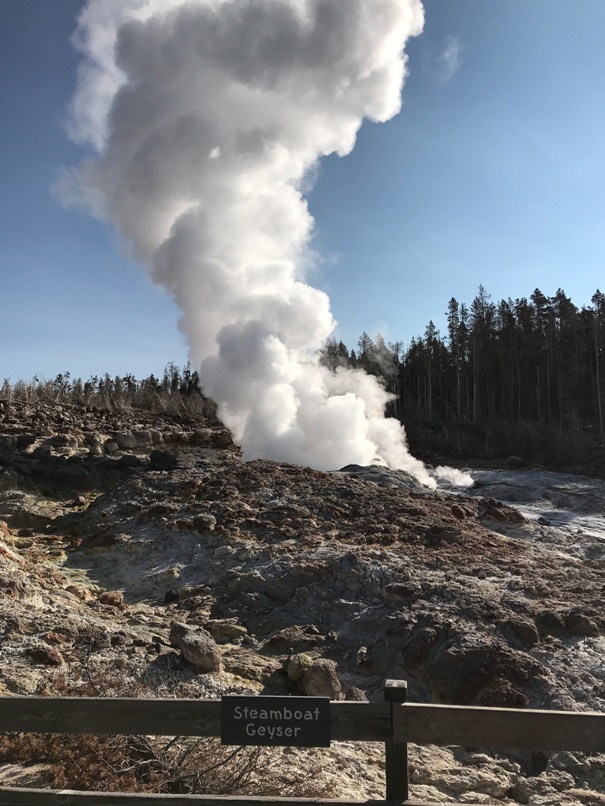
(207, 117)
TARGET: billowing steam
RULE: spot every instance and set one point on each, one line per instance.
(208, 117)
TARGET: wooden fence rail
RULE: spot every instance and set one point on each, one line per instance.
(522, 729)
(349, 721)
(393, 722)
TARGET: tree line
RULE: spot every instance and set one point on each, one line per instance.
(177, 390)
(521, 376)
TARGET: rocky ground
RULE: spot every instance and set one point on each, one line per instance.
(138, 553)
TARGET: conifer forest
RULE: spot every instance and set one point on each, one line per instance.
(519, 377)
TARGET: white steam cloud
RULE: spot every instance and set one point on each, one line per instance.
(452, 476)
(207, 117)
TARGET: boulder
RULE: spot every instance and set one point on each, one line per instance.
(492, 511)
(197, 646)
(581, 624)
(8, 444)
(321, 680)
(298, 666)
(143, 437)
(112, 598)
(162, 460)
(297, 637)
(25, 511)
(125, 440)
(9, 479)
(523, 630)
(250, 665)
(225, 630)
(550, 622)
(128, 461)
(156, 436)
(221, 438)
(201, 437)
(64, 441)
(355, 694)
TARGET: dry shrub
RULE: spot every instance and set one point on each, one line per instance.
(157, 764)
(160, 765)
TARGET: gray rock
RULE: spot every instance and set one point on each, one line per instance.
(127, 461)
(225, 630)
(299, 637)
(580, 624)
(201, 438)
(25, 511)
(524, 630)
(298, 666)
(142, 437)
(321, 680)
(9, 479)
(156, 436)
(125, 440)
(197, 645)
(162, 460)
(549, 622)
(250, 665)
(8, 444)
(221, 439)
(355, 694)
(64, 441)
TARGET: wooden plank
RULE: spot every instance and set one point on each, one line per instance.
(435, 803)
(161, 717)
(396, 753)
(350, 721)
(13, 796)
(499, 727)
(360, 721)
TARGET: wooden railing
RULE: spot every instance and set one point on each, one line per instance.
(393, 722)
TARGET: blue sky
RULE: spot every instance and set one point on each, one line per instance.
(493, 173)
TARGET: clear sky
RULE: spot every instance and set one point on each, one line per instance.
(493, 173)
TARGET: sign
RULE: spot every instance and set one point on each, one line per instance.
(287, 721)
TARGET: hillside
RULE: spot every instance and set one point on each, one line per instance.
(118, 524)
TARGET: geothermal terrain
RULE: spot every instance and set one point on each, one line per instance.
(140, 557)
